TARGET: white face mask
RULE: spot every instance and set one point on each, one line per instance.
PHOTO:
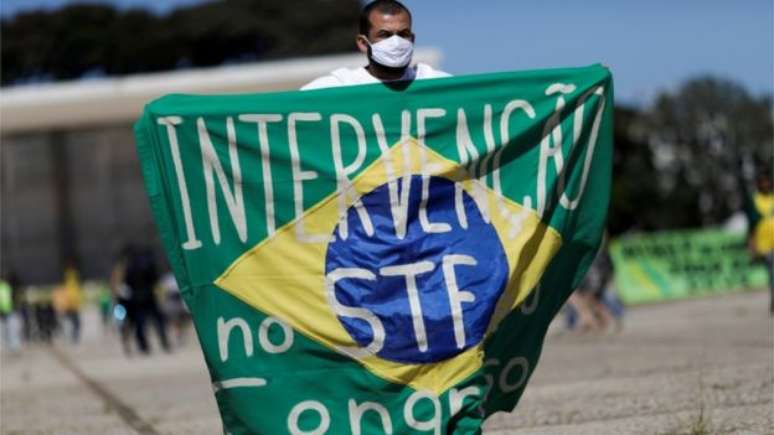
(393, 52)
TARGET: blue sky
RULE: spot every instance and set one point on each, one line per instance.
(8, 7)
(649, 45)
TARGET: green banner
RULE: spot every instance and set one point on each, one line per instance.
(379, 259)
(683, 264)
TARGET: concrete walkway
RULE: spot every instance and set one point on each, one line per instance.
(694, 367)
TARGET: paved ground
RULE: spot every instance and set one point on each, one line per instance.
(693, 367)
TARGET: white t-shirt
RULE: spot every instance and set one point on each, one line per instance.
(361, 76)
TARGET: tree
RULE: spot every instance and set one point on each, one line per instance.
(678, 162)
(87, 39)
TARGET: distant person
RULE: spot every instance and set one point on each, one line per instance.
(21, 305)
(10, 325)
(761, 240)
(387, 39)
(105, 303)
(123, 312)
(605, 302)
(174, 307)
(67, 299)
(6, 299)
(44, 317)
(593, 306)
(578, 313)
(141, 276)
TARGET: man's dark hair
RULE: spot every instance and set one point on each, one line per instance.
(387, 7)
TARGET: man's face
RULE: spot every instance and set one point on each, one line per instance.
(384, 26)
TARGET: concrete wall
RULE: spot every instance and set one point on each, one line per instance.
(75, 193)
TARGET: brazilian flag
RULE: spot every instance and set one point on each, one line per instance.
(383, 258)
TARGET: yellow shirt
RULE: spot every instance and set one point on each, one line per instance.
(764, 231)
(72, 286)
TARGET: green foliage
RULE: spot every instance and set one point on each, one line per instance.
(89, 39)
(678, 162)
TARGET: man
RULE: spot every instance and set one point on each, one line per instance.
(388, 41)
(140, 276)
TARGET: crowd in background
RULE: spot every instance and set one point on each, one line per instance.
(137, 297)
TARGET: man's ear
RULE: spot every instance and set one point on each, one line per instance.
(362, 43)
